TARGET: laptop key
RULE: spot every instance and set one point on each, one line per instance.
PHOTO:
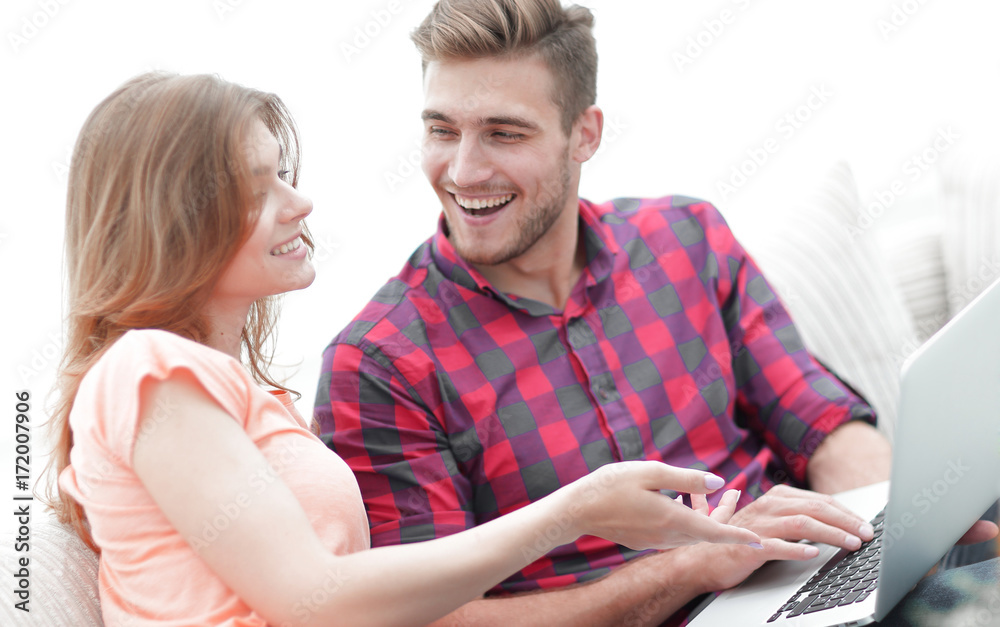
(834, 561)
(821, 607)
(802, 606)
(850, 598)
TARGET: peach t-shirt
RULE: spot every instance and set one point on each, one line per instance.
(149, 574)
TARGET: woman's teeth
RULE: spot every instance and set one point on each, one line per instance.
(287, 248)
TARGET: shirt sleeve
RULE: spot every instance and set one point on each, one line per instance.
(108, 402)
(783, 393)
(386, 432)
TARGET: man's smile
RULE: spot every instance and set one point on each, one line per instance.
(483, 206)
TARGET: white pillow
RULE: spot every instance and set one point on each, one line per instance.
(972, 225)
(835, 283)
(914, 250)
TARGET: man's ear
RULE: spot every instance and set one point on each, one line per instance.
(587, 133)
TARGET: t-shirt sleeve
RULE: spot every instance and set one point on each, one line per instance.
(783, 392)
(107, 405)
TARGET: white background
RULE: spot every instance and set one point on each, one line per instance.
(683, 105)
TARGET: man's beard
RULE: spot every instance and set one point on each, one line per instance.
(530, 227)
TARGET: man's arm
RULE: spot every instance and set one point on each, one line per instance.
(855, 454)
(646, 591)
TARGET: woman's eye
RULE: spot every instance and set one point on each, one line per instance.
(284, 175)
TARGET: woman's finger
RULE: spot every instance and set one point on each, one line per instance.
(699, 503)
(660, 476)
(707, 530)
(726, 507)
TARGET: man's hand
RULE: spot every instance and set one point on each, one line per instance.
(782, 517)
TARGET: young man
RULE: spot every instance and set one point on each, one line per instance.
(537, 336)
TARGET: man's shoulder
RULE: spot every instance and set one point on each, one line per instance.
(673, 208)
(684, 218)
(396, 304)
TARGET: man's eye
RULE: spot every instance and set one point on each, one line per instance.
(507, 135)
(284, 175)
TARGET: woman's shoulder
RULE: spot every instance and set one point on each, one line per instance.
(158, 339)
(146, 346)
(154, 352)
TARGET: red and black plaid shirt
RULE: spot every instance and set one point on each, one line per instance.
(455, 404)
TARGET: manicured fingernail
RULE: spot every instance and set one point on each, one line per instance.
(714, 483)
(756, 545)
(867, 530)
(811, 551)
(853, 542)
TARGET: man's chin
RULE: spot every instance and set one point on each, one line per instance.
(480, 257)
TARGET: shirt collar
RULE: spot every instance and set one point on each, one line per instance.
(599, 244)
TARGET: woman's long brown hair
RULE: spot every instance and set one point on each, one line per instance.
(158, 204)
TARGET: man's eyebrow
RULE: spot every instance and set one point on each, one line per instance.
(493, 120)
(508, 120)
(435, 115)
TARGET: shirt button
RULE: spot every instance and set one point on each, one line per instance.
(603, 393)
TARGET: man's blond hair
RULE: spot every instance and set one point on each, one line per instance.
(562, 37)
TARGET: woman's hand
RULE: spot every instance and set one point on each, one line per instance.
(621, 502)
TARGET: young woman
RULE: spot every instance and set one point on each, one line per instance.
(207, 495)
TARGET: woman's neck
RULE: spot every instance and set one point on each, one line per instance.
(225, 325)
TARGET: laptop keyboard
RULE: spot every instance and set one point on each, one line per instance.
(848, 577)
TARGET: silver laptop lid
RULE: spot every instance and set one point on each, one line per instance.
(946, 460)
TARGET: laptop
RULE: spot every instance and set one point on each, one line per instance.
(945, 470)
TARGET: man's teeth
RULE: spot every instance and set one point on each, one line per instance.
(482, 203)
(287, 248)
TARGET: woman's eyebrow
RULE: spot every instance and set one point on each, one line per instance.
(264, 170)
